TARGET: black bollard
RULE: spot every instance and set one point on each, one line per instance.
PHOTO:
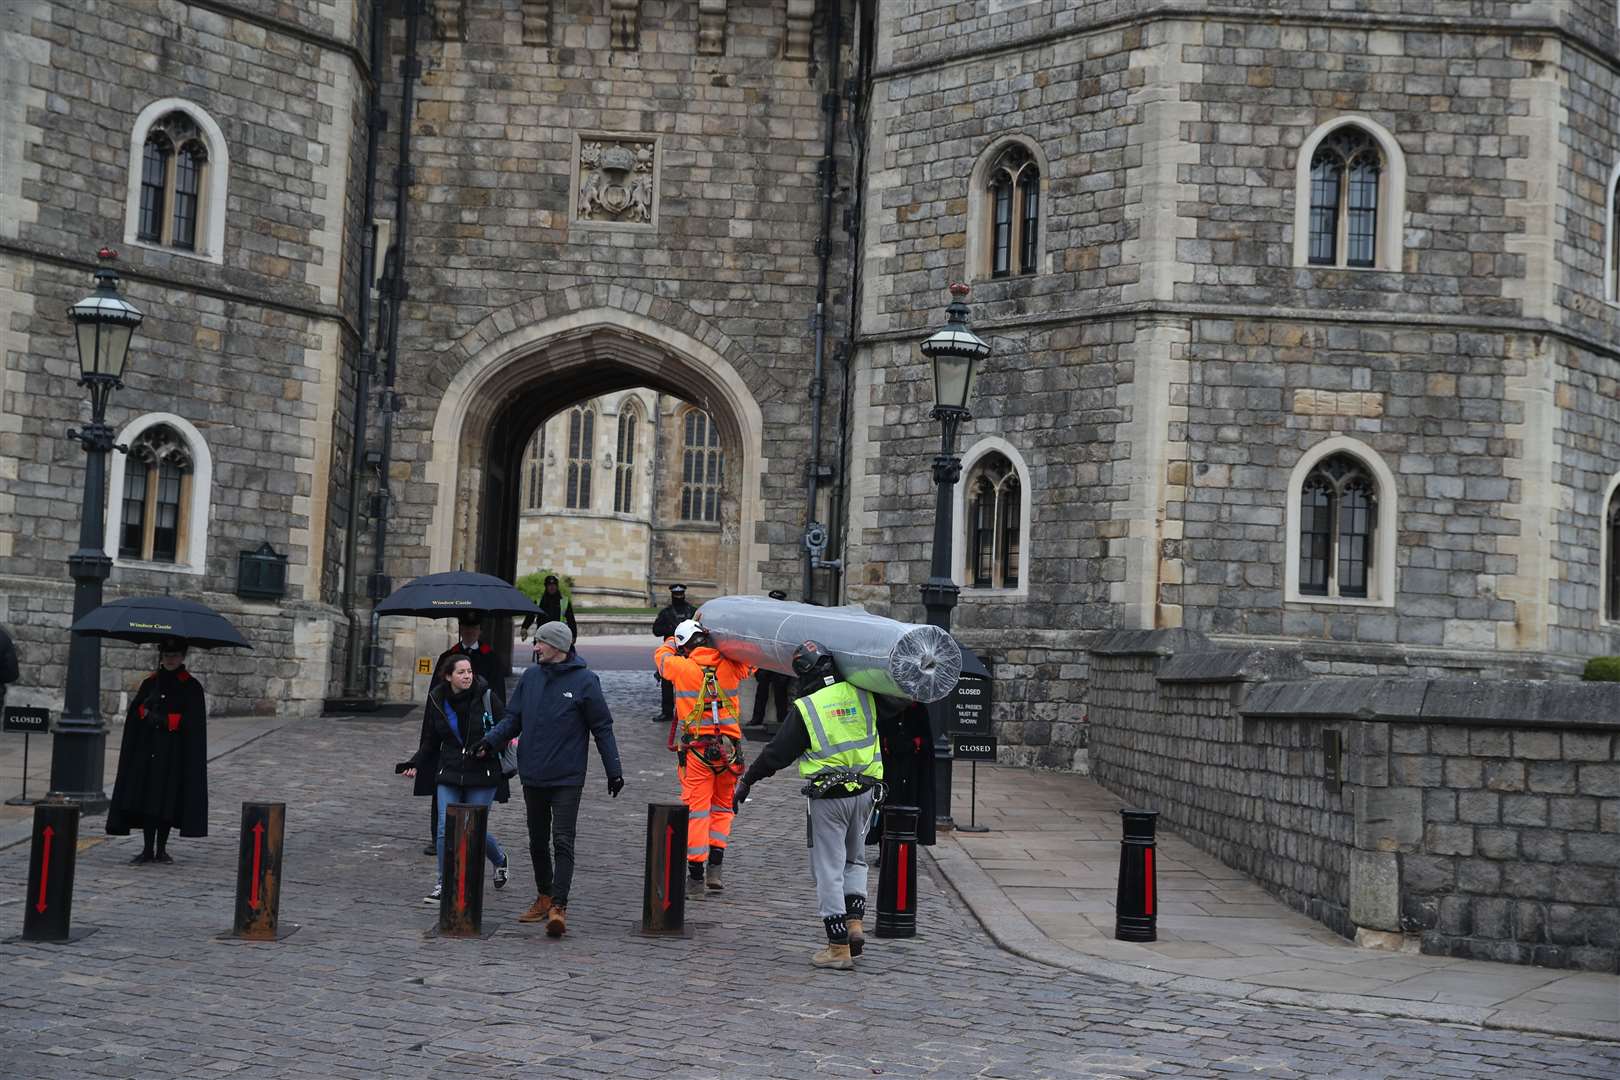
(48, 909)
(663, 888)
(258, 872)
(897, 874)
(1135, 903)
(461, 905)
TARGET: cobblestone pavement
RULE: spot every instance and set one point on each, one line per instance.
(359, 991)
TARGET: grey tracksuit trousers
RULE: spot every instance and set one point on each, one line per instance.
(838, 849)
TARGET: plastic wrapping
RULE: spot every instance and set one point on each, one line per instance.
(908, 660)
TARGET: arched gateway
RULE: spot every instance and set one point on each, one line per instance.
(524, 363)
(512, 383)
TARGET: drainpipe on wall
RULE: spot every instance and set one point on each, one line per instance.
(828, 172)
(859, 94)
(410, 69)
(354, 684)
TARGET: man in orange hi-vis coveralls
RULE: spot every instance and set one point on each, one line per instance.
(707, 734)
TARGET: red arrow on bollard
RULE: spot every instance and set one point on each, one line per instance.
(669, 860)
(461, 874)
(44, 868)
(258, 847)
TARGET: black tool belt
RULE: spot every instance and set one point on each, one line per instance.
(834, 783)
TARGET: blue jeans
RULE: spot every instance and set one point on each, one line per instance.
(476, 796)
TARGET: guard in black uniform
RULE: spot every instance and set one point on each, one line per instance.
(664, 626)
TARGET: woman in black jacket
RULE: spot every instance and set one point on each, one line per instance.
(459, 711)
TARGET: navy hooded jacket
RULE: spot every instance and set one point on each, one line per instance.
(553, 708)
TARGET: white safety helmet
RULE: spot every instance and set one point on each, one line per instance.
(686, 631)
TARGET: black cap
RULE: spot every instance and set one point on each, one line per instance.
(551, 579)
(173, 644)
(812, 657)
(471, 618)
(677, 588)
(778, 594)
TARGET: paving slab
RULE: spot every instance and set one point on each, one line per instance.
(1216, 927)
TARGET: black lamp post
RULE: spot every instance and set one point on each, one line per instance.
(956, 352)
(104, 323)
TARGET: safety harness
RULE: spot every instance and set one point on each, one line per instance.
(721, 753)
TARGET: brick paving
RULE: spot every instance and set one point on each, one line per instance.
(359, 991)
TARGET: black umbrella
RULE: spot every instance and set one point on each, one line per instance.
(151, 619)
(439, 596)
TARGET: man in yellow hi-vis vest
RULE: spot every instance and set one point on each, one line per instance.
(836, 745)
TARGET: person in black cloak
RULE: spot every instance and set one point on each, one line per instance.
(907, 745)
(162, 780)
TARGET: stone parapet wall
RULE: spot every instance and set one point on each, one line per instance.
(1479, 818)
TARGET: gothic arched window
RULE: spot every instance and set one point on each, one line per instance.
(534, 470)
(1614, 239)
(993, 516)
(1015, 212)
(702, 467)
(1611, 538)
(153, 522)
(1346, 171)
(581, 446)
(624, 479)
(173, 165)
(1338, 519)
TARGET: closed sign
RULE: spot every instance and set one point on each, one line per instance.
(973, 747)
(26, 719)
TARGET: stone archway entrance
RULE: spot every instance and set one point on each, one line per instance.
(498, 398)
(510, 378)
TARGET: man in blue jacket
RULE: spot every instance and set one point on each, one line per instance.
(556, 704)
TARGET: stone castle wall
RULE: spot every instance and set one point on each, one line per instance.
(1479, 818)
(249, 344)
(1172, 360)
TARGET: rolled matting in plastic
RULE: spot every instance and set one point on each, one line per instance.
(885, 656)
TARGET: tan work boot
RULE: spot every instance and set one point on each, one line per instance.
(857, 937)
(557, 921)
(711, 878)
(834, 956)
(537, 910)
(694, 887)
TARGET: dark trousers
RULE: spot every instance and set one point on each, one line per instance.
(667, 698)
(771, 684)
(553, 815)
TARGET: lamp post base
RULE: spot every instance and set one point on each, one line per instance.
(78, 764)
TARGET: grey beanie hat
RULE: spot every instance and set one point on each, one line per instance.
(556, 634)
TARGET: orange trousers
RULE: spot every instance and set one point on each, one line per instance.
(707, 795)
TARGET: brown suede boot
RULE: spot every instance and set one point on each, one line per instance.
(857, 937)
(537, 910)
(557, 921)
(835, 957)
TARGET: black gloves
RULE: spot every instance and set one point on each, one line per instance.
(615, 785)
(739, 795)
(481, 748)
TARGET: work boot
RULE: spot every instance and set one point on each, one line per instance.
(836, 957)
(854, 914)
(537, 910)
(557, 921)
(711, 878)
(694, 887)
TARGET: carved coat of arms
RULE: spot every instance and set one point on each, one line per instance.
(615, 181)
